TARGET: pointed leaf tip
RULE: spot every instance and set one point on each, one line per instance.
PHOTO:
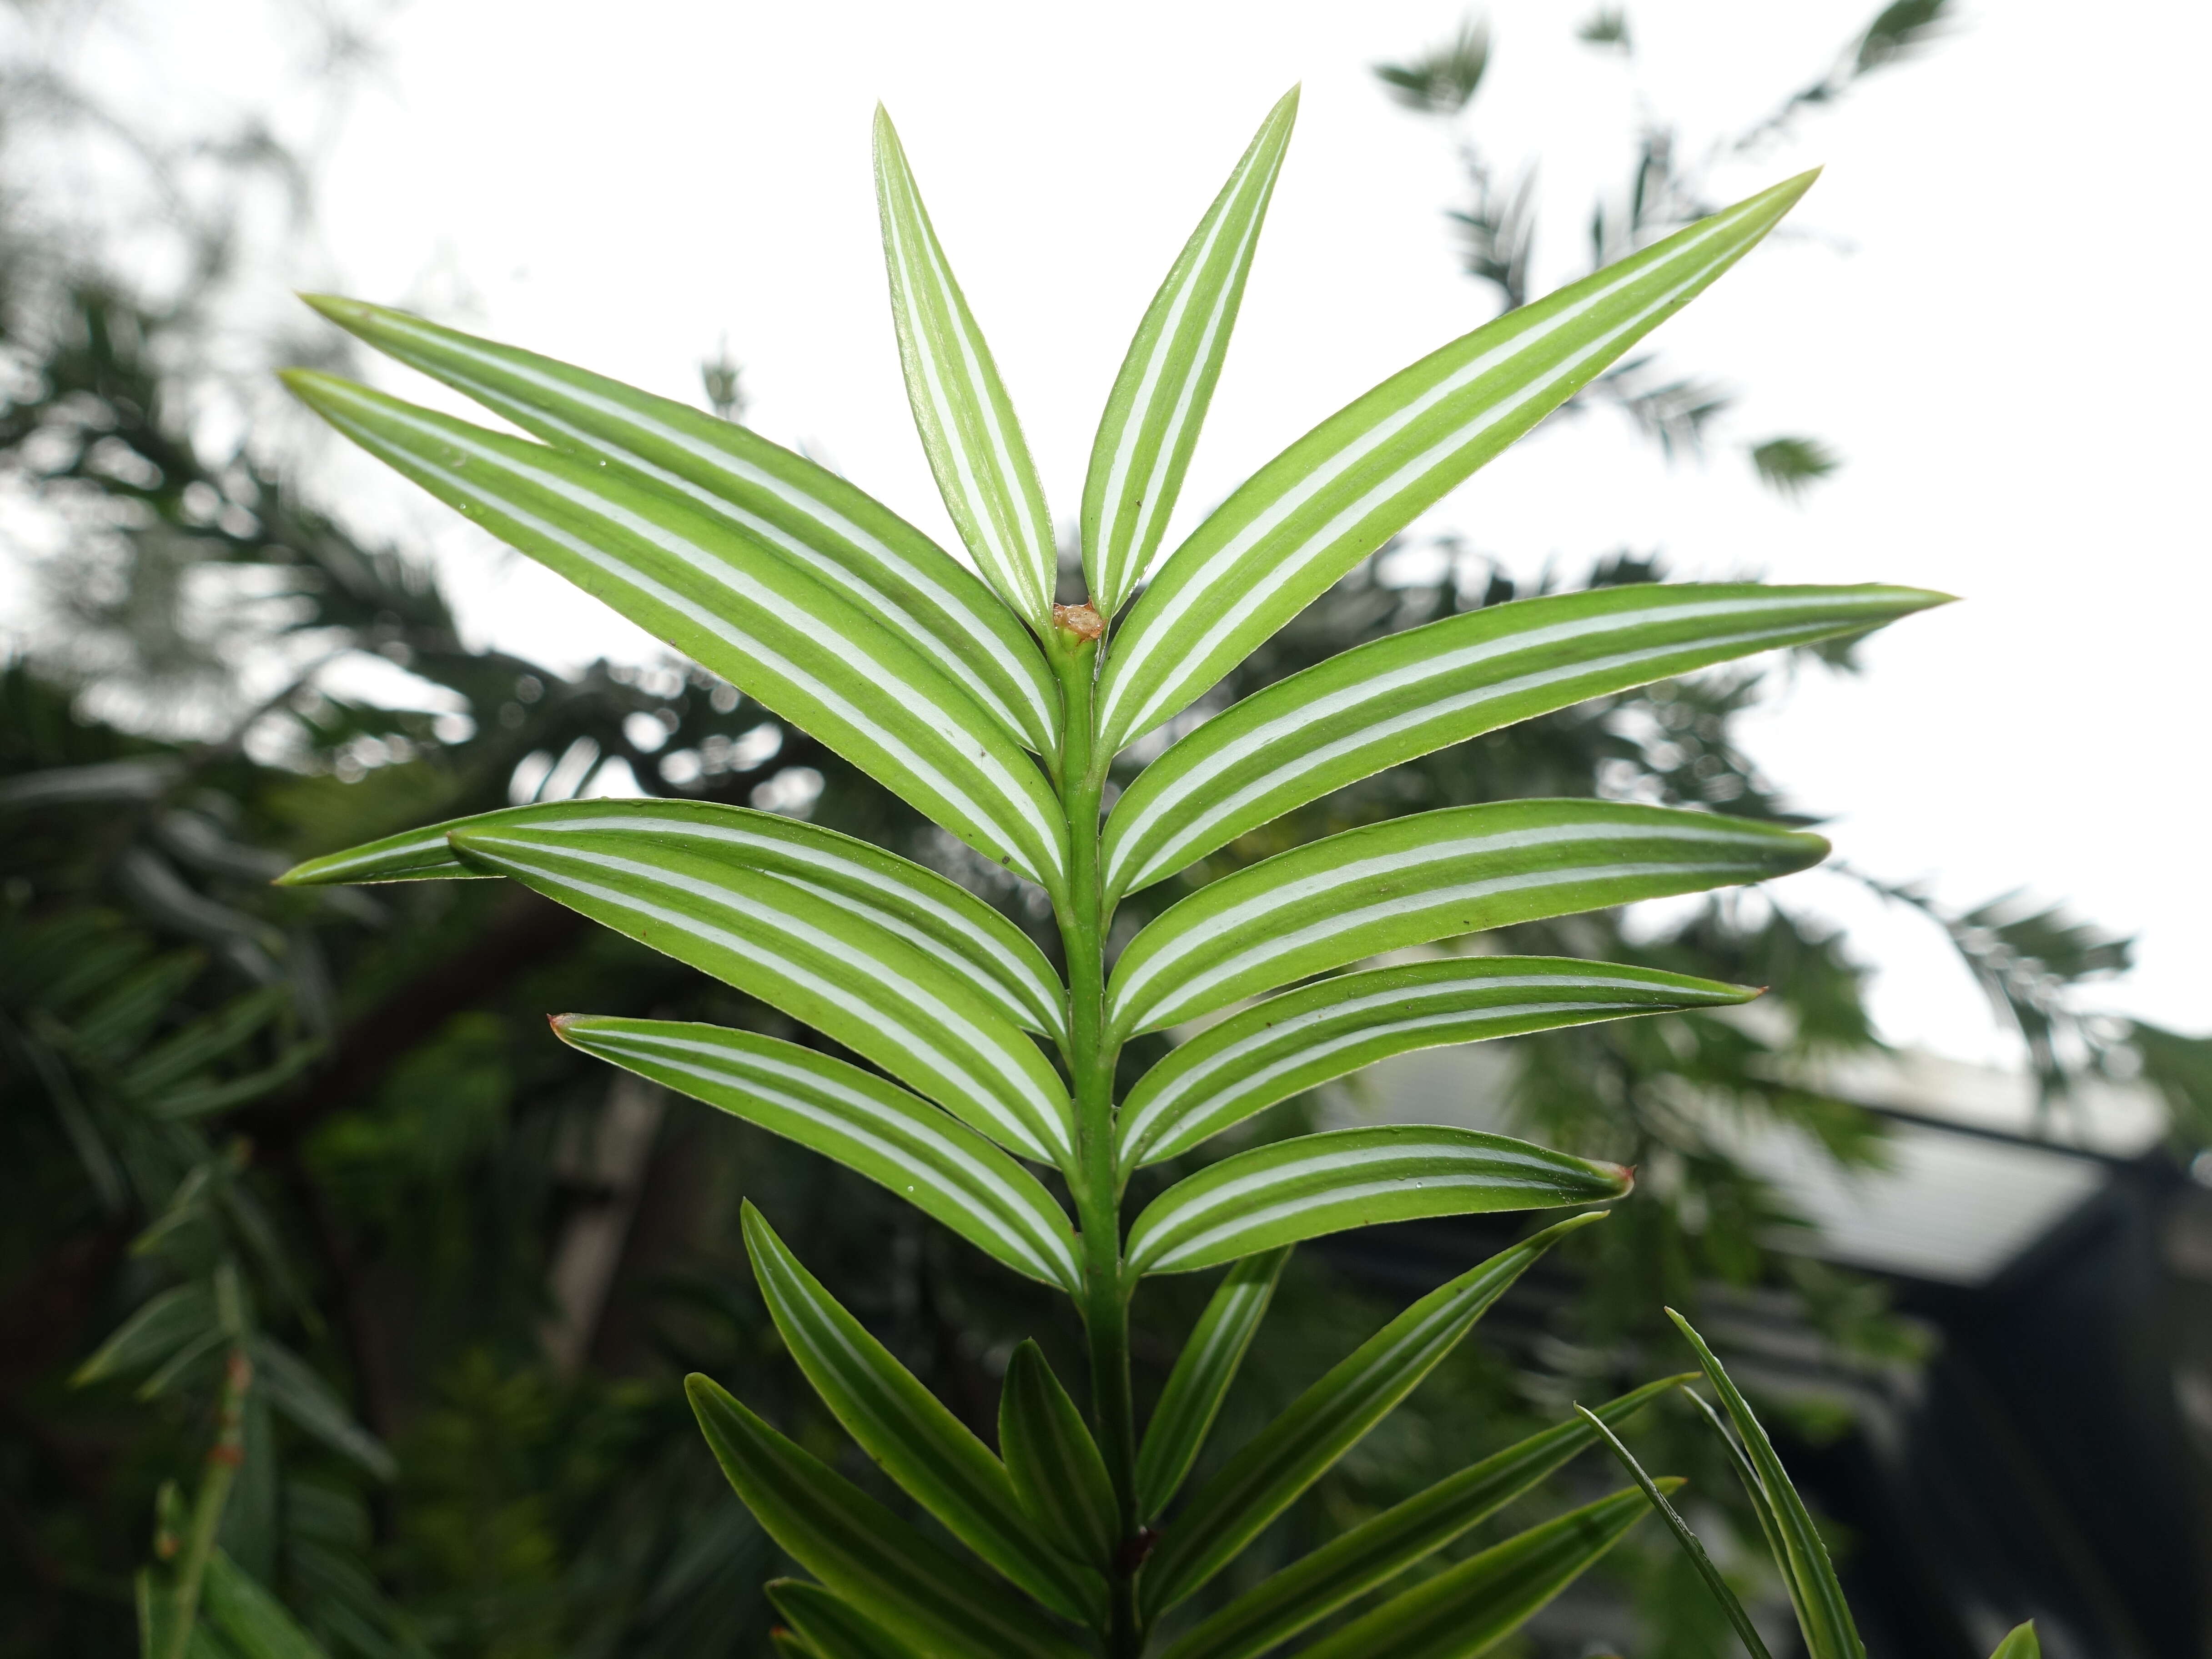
(966, 421)
(336, 306)
(1151, 424)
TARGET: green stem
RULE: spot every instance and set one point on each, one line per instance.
(223, 1459)
(1095, 1181)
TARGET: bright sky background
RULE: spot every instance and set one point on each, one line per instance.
(2005, 357)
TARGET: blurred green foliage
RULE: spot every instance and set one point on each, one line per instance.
(328, 1129)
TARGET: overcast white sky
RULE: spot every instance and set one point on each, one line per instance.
(2007, 357)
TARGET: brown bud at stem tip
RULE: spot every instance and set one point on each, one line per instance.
(1134, 1551)
(1080, 620)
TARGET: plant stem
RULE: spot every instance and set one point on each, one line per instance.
(1095, 1181)
(223, 1459)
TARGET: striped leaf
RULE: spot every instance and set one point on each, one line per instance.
(1430, 875)
(1053, 1462)
(874, 1128)
(1361, 476)
(1324, 1184)
(1159, 399)
(1470, 1608)
(1822, 1613)
(967, 422)
(831, 1627)
(1372, 1553)
(840, 972)
(920, 1591)
(1415, 692)
(1203, 1371)
(924, 1448)
(1297, 1040)
(1747, 1633)
(734, 604)
(806, 513)
(1266, 1475)
(939, 918)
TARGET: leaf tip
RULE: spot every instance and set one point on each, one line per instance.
(1687, 1329)
(703, 1391)
(320, 392)
(1798, 183)
(761, 1241)
(1551, 1235)
(336, 306)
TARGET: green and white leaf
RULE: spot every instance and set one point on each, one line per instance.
(929, 1452)
(734, 604)
(818, 961)
(1203, 1371)
(1160, 397)
(1470, 1608)
(1364, 474)
(1417, 691)
(967, 422)
(1377, 1551)
(1823, 1614)
(1429, 876)
(806, 513)
(1055, 1464)
(871, 1126)
(1301, 1039)
(1321, 1183)
(1266, 1475)
(920, 1591)
(938, 917)
(832, 1627)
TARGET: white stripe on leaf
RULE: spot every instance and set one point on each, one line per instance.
(887, 566)
(976, 449)
(1430, 875)
(916, 732)
(854, 987)
(890, 1136)
(1160, 396)
(1411, 693)
(1294, 1041)
(1318, 507)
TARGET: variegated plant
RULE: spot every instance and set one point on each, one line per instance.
(963, 688)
